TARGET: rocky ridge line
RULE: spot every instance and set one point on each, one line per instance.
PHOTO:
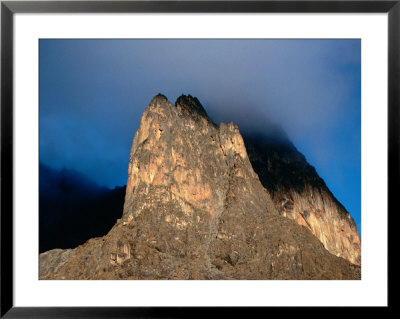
(299, 193)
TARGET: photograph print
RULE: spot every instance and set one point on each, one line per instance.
(199, 159)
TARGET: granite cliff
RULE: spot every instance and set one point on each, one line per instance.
(195, 209)
(300, 194)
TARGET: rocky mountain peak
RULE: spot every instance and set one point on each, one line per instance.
(191, 106)
(158, 99)
(180, 153)
(195, 209)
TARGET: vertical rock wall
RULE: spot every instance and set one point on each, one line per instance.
(300, 194)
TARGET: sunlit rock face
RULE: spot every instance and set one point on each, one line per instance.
(183, 170)
(300, 194)
(195, 209)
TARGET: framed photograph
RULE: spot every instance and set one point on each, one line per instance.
(162, 155)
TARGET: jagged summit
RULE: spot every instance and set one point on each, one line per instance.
(187, 106)
(191, 106)
(192, 103)
(195, 209)
(158, 98)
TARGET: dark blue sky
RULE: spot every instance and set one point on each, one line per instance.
(93, 92)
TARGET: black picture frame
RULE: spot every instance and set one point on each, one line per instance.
(9, 8)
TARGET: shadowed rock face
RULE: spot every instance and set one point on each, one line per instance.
(195, 209)
(300, 194)
(74, 209)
